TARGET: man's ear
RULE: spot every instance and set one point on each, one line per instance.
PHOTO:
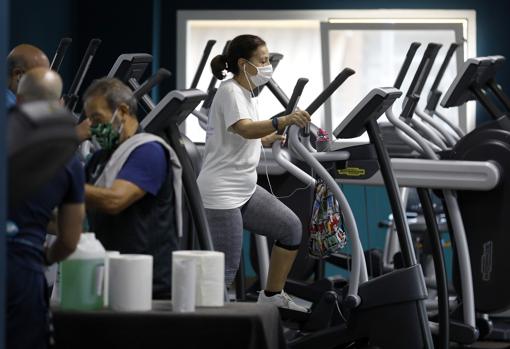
(123, 111)
(17, 72)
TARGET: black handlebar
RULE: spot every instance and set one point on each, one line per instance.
(296, 93)
(278, 93)
(60, 53)
(419, 79)
(407, 62)
(332, 87)
(84, 65)
(444, 65)
(203, 61)
(154, 80)
(294, 98)
(72, 96)
(423, 71)
(435, 94)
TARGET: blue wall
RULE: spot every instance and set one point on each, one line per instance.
(43, 23)
(4, 38)
(127, 25)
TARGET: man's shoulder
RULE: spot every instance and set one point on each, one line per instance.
(152, 147)
(74, 165)
(149, 153)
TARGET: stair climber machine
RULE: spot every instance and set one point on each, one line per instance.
(397, 148)
(366, 304)
(483, 219)
(463, 332)
(484, 213)
(484, 223)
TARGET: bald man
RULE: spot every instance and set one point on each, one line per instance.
(27, 299)
(21, 59)
(39, 84)
(44, 84)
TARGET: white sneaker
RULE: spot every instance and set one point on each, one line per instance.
(281, 300)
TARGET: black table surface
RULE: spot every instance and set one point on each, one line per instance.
(235, 325)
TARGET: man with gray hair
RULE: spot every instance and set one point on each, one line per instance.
(133, 182)
(21, 59)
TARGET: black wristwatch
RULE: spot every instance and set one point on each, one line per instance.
(275, 123)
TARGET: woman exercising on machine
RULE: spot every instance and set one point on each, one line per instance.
(228, 179)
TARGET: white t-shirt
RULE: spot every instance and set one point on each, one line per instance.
(229, 171)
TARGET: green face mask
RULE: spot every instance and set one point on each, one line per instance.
(106, 135)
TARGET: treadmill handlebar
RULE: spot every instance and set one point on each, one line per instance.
(154, 80)
(278, 92)
(332, 87)
(60, 53)
(444, 65)
(434, 94)
(296, 93)
(420, 77)
(411, 52)
(294, 98)
(203, 61)
(84, 65)
(72, 97)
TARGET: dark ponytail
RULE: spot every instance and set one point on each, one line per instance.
(218, 65)
(242, 46)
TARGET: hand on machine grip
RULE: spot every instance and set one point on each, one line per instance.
(268, 140)
(299, 117)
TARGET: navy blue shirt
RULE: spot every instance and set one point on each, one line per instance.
(27, 299)
(33, 215)
(146, 167)
(10, 99)
(148, 225)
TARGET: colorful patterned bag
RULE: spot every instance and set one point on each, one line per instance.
(326, 233)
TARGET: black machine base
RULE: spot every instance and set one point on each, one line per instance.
(485, 215)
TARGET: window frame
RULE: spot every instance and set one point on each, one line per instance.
(366, 18)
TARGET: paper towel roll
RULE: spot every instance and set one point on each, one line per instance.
(106, 290)
(184, 276)
(130, 282)
(210, 276)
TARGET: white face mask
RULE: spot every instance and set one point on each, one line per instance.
(263, 75)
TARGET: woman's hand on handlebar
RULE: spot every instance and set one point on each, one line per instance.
(268, 140)
(299, 117)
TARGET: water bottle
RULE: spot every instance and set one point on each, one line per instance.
(82, 275)
(322, 142)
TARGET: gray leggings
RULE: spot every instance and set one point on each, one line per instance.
(263, 214)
